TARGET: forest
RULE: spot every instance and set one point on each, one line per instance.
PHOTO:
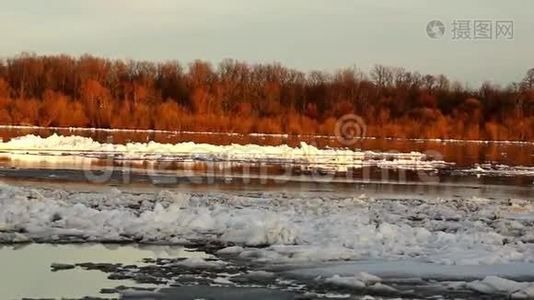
(233, 96)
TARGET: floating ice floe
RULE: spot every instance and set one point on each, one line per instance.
(305, 157)
(281, 228)
(498, 170)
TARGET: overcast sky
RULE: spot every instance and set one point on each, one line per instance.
(305, 34)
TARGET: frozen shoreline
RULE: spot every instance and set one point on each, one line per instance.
(284, 135)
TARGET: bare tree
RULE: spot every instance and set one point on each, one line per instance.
(382, 76)
(528, 81)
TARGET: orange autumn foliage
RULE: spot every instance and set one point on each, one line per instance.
(233, 96)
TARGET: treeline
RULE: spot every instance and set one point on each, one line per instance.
(233, 96)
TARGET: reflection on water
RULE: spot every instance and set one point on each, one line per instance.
(26, 271)
(462, 153)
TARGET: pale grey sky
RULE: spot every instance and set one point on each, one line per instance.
(305, 34)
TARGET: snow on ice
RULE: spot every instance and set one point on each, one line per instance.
(351, 242)
(30, 146)
(300, 228)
